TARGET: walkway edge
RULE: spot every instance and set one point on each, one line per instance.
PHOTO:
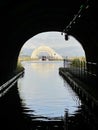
(77, 87)
(6, 86)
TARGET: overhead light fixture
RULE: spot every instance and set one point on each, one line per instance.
(77, 16)
(66, 37)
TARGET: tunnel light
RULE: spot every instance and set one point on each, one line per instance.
(77, 16)
(74, 22)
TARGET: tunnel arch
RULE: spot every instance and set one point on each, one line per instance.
(46, 41)
(23, 20)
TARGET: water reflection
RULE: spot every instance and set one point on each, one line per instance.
(43, 67)
(42, 90)
(51, 102)
(44, 101)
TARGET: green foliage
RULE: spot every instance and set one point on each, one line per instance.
(77, 62)
(19, 67)
(25, 58)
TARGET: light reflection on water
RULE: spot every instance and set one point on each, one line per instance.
(45, 93)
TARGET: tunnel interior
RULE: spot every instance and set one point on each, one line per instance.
(21, 20)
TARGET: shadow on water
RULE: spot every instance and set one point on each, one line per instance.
(83, 119)
(13, 116)
(11, 112)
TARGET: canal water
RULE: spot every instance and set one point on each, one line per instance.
(45, 93)
(43, 100)
(50, 101)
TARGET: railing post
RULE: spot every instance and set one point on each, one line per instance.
(64, 63)
(84, 70)
(80, 68)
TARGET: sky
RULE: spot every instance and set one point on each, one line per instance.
(56, 41)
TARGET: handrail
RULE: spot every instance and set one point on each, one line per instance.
(6, 86)
(84, 70)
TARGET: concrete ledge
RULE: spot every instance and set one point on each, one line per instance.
(78, 87)
(6, 86)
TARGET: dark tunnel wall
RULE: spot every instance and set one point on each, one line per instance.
(22, 20)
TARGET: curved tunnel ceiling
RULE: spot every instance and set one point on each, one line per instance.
(20, 20)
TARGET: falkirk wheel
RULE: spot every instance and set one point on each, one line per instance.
(52, 54)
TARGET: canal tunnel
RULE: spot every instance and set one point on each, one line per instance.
(21, 20)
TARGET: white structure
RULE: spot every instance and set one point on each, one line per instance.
(52, 54)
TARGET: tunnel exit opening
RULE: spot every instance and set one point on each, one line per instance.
(52, 39)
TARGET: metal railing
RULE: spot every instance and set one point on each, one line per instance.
(6, 86)
(85, 71)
